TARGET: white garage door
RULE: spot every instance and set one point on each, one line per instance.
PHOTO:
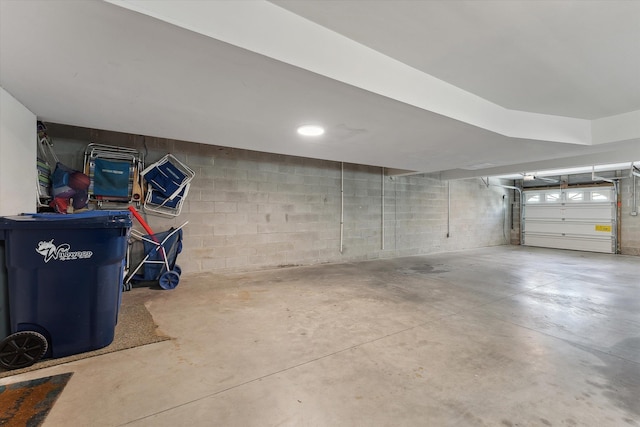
(581, 219)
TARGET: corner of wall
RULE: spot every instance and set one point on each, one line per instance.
(17, 156)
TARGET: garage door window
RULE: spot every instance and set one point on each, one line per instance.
(552, 197)
(599, 196)
(575, 196)
(533, 197)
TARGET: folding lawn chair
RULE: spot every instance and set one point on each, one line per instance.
(113, 173)
(168, 183)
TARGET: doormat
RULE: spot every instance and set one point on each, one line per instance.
(27, 403)
(135, 328)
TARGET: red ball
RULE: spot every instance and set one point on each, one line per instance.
(79, 181)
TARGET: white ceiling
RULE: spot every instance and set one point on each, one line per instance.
(566, 58)
(464, 88)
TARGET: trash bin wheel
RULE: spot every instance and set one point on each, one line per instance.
(22, 349)
(169, 280)
(177, 269)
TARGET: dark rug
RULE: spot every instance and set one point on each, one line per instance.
(27, 403)
(135, 328)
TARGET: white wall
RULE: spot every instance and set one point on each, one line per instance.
(17, 175)
(17, 157)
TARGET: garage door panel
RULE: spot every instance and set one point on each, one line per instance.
(571, 242)
(601, 229)
(578, 219)
(543, 212)
(587, 211)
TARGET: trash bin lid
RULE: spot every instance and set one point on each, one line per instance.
(88, 219)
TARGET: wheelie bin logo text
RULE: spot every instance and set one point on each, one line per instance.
(61, 252)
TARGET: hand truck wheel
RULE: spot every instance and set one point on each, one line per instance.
(169, 280)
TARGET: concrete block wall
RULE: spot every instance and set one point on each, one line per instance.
(249, 210)
(630, 224)
(515, 217)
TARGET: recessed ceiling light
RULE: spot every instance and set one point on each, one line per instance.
(311, 130)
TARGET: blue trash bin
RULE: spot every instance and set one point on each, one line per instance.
(4, 296)
(64, 275)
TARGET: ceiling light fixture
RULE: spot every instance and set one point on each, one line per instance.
(311, 130)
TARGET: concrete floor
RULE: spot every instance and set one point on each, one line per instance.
(502, 336)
